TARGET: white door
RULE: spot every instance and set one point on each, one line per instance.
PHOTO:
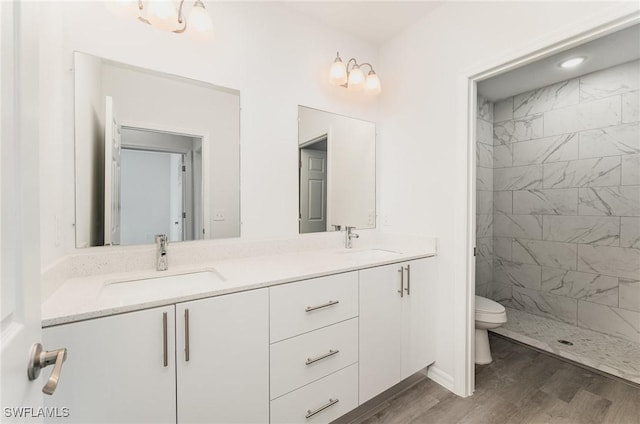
(222, 359)
(19, 210)
(112, 163)
(380, 329)
(313, 191)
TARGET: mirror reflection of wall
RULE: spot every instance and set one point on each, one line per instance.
(158, 125)
(337, 171)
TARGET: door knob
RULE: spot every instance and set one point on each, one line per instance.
(43, 358)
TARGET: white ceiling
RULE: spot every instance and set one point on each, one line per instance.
(371, 21)
(620, 47)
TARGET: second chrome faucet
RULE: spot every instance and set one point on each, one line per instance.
(162, 261)
(349, 236)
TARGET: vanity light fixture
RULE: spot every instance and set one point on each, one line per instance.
(352, 77)
(573, 62)
(167, 15)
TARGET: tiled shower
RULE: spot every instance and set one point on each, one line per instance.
(558, 201)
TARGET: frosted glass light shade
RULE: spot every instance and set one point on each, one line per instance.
(199, 23)
(372, 84)
(163, 14)
(338, 73)
(356, 78)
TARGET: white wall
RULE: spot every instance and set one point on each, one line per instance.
(274, 56)
(422, 160)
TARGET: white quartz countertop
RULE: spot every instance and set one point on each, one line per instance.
(82, 298)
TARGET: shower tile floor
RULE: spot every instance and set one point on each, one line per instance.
(612, 355)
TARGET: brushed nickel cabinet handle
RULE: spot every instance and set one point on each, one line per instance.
(39, 359)
(311, 413)
(321, 357)
(408, 289)
(165, 347)
(401, 291)
(329, 303)
(186, 335)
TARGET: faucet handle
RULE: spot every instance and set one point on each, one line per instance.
(161, 239)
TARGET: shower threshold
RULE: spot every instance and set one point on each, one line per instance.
(602, 352)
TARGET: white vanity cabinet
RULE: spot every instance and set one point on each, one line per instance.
(118, 369)
(395, 323)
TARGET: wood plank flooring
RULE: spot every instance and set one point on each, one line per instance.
(520, 386)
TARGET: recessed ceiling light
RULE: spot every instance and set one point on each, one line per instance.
(573, 62)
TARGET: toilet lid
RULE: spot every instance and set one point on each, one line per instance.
(488, 306)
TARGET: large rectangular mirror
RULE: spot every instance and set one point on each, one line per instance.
(337, 178)
(154, 154)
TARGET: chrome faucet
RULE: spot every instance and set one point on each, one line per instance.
(349, 236)
(162, 263)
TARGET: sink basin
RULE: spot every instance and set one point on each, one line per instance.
(125, 292)
(368, 253)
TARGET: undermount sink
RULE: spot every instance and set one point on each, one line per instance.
(368, 253)
(148, 289)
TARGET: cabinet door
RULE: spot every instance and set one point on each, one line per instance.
(417, 315)
(115, 370)
(380, 329)
(226, 376)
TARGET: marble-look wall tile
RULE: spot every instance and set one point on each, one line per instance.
(601, 230)
(545, 253)
(584, 116)
(517, 178)
(612, 201)
(520, 129)
(484, 132)
(608, 82)
(581, 285)
(518, 226)
(563, 201)
(545, 304)
(484, 178)
(485, 109)
(622, 262)
(630, 295)
(484, 155)
(484, 225)
(631, 107)
(617, 322)
(630, 232)
(611, 141)
(582, 173)
(484, 272)
(484, 202)
(502, 248)
(549, 149)
(503, 202)
(501, 292)
(517, 274)
(631, 170)
(503, 156)
(565, 93)
(484, 248)
(503, 110)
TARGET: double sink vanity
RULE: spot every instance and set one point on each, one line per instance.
(306, 334)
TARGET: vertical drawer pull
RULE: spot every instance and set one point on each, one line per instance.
(165, 347)
(186, 335)
(321, 357)
(408, 289)
(329, 303)
(311, 413)
(401, 291)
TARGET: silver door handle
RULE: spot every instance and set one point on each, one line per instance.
(408, 289)
(311, 413)
(324, 305)
(321, 357)
(401, 291)
(43, 358)
(186, 335)
(165, 346)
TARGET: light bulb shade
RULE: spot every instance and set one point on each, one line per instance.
(356, 78)
(338, 73)
(372, 84)
(199, 23)
(163, 14)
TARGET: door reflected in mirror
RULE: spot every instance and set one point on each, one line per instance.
(336, 171)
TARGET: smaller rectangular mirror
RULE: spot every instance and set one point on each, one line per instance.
(337, 186)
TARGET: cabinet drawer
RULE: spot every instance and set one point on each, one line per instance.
(311, 356)
(329, 397)
(303, 306)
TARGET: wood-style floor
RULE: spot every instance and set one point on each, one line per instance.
(520, 386)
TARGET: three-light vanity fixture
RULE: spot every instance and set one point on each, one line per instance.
(167, 15)
(352, 77)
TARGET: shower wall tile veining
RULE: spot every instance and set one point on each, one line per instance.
(566, 201)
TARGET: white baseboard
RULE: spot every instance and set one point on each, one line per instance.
(441, 377)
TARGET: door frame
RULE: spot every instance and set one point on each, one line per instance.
(566, 38)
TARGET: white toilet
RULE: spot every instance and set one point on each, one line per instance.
(489, 314)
